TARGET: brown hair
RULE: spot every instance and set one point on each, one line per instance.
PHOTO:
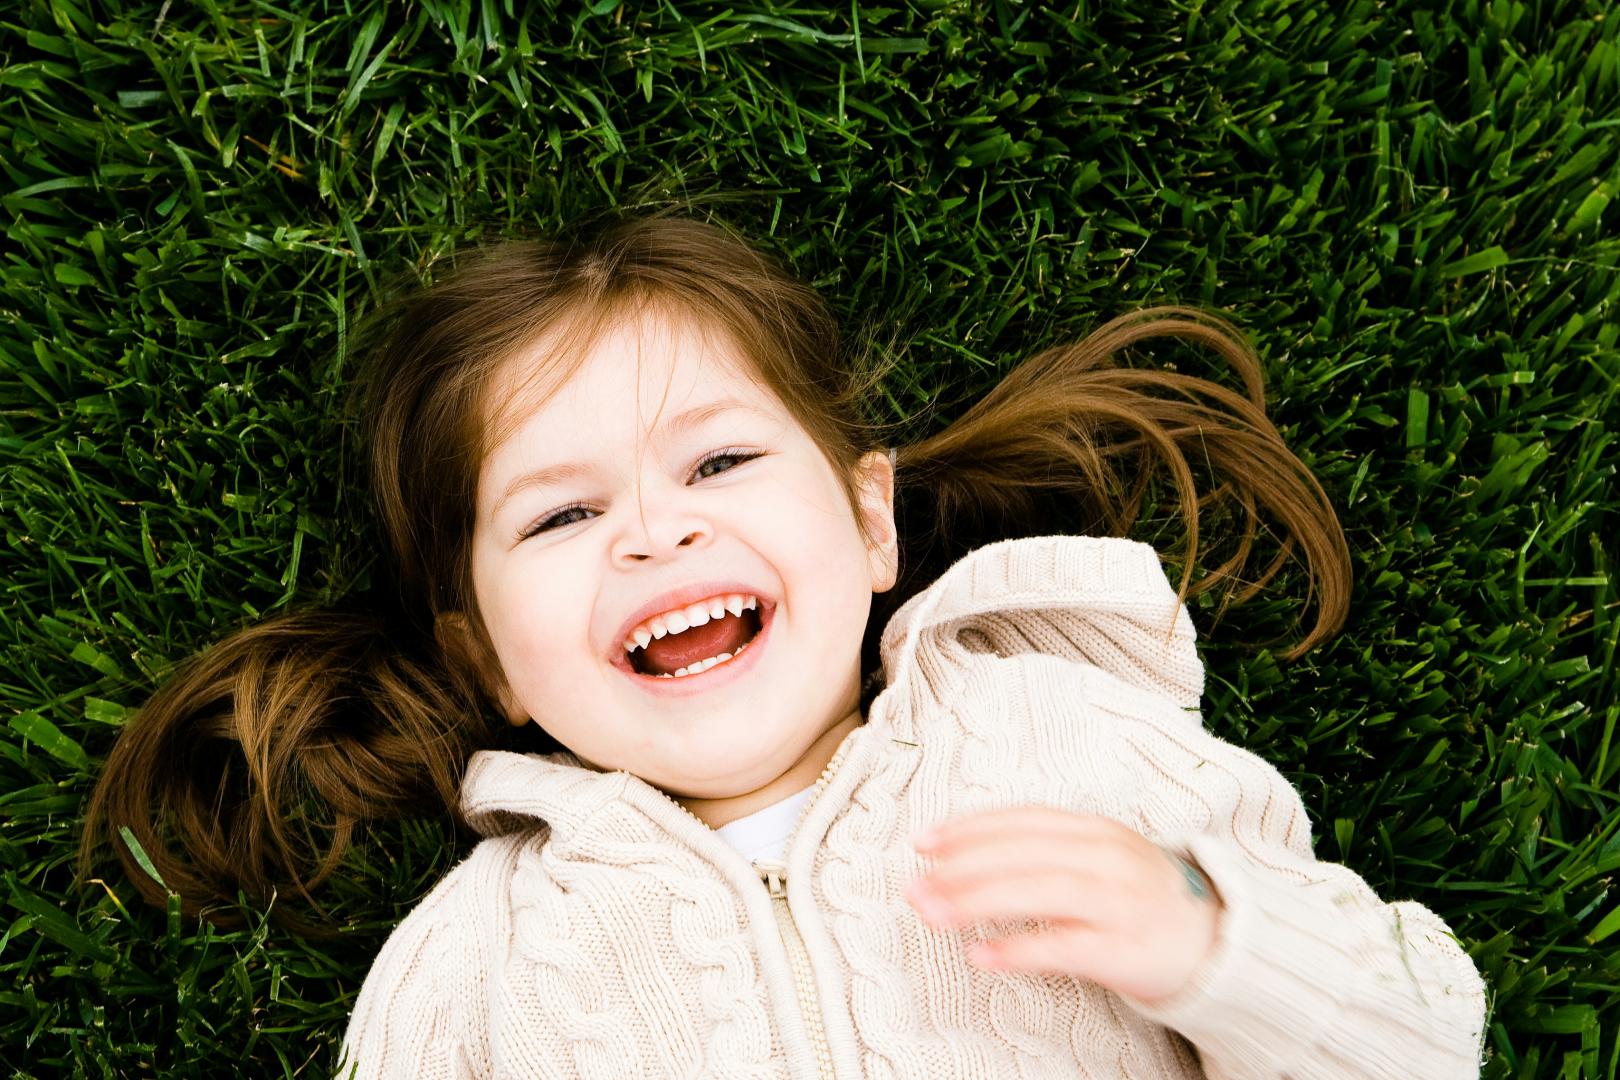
(372, 712)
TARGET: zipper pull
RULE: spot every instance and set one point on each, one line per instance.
(775, 875)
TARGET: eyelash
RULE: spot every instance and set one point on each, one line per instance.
(545, 524)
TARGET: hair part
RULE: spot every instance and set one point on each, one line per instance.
(372, 711)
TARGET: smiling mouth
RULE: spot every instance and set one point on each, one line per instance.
(698, 648)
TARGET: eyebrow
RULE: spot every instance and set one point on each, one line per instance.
(556, 474)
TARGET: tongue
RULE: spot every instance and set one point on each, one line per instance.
(714, 637)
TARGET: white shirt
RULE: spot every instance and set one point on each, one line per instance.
(764, 833)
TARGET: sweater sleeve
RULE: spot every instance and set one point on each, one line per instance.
(1312, 975)
(422, 1010)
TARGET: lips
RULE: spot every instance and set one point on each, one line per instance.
(677, 598)
(711, 680)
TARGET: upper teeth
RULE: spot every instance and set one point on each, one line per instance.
(673, 622)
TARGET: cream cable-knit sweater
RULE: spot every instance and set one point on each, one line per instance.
(601, 931)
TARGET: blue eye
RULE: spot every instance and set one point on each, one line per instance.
(736, 457)
(555, 521)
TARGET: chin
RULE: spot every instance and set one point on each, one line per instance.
(730, 771)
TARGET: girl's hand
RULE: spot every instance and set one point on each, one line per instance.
(1128, 915)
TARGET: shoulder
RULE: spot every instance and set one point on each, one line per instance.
(423, 999)
(465, 906)
(477, 892)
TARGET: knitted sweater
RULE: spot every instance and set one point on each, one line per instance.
(602, 931)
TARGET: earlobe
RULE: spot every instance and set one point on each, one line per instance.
(515, 714)
(460, 644)
(875, 481)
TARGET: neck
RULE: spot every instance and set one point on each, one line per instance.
(806, 771)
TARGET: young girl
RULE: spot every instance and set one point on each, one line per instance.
(977, 830)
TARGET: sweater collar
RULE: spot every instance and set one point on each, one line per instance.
(505, 792)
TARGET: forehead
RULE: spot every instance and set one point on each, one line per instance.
(646, 364)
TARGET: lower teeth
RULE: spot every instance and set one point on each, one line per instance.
(704, 665)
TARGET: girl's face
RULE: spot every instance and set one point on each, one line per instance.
(662, 475)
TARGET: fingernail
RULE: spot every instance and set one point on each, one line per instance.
(926, 839)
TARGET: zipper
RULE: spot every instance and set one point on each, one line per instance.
(804, 980)
(774, 877)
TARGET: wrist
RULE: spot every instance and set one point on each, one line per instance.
(1201, 904)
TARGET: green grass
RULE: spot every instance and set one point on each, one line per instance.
(1407, 204)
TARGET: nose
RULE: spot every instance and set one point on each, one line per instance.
(657, 532)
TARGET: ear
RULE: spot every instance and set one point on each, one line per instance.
(874, 481)
(455, 635)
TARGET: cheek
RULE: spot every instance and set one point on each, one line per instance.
(814, 508)
(819, 543)
(541, 622)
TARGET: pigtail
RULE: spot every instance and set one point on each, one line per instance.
(318, 712)
(1068, 442)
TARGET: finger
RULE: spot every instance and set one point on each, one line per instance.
(989, 857)
(1060, 952)
(1086, 954)
(1021, 896)
(1015, 821)
(1075, 951)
